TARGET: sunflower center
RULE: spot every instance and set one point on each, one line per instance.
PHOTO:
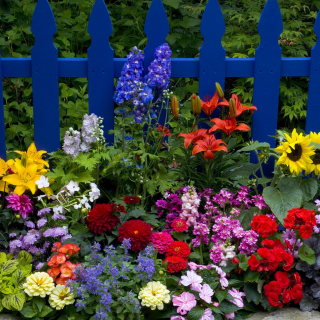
(135, 232)
(316, 159)
(296, 153)
(62, 295)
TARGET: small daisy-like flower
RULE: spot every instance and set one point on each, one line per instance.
(153, 295)
(60, 297)
(179, 225)
(43, 182)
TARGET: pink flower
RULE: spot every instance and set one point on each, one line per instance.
(177, 318)
(237, 297)
(161, 241)
(216, 304)
(206, 293)
(207, 315)
(191, 279)
(185, 302)
(229, 315)
(194, 266)
(22, 204)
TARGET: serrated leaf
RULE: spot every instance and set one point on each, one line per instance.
(228, 307)
(86, 161)
(252, 293)
(15, 301)
(251, 276)
(24, 257)
(221, 294)
(8, 267)
(18, 276)
(3, 257)
(84, 177)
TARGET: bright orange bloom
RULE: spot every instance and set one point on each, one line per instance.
(57, 259)
(69, 249)
(56, 246)
(210, 104)
(239, 106)
(165, 131)
(228, 126)
(209, 144)
(192, 137)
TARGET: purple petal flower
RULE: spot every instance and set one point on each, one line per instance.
(41, 222)
(43, 211)
(22, 204)
(29, 224)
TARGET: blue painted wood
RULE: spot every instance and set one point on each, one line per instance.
(44, 59)
(267, 77)
(2, 123)
(212, 66)
(313, 108)
(101, 67)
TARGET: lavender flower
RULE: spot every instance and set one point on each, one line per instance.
(72, 143)
(41, 222)
(29, 224)
(43, 211)
(289, 235)
(88, 131)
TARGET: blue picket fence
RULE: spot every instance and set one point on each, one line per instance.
(101, 68)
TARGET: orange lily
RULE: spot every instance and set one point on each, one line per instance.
(228, 126)
(192, 137)
(209, 144)
(210, 104)
(240, 108)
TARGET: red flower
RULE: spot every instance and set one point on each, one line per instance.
(253, 263)
(179, 225)
(264, 225)
(193, 137)
(287, 260)
(210, 104)
(175, 264)
(178, 249)
(131, 200)
(272, 244)
(209, 144)
(165, 131)
(239, 107)
(138, 231)
(228, 126)
(305, 232)
(102, 217)
(282, 278)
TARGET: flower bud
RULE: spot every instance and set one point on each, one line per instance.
(219, 90)
(18, 216)
(161, 272)
(232, 108)
(84, 210)
(195, 105)
(175, 107)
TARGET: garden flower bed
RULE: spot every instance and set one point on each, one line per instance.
(170, 221)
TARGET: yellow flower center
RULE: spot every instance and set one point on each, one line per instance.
(177, 249)
(40, 281)
(62, 295)
(135, 232)
(154, 292)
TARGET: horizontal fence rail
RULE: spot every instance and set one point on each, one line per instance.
(45, 68)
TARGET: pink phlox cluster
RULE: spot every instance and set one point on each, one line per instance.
(201, 232)
(242, 196)
(222, 253)
(258, 201)
(190, 204)
(223, 198)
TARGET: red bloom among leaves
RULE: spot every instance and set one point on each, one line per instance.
(69, 249)
(302, 220)
(175, 264)
(210, 104)
(165, 131)
(131, 200)
(209, 144)
(178, 249)
(284, 289)
(138, 231)
(179, 225)
(103, 218)
(239, 107)
(264, 225)
(228, 126)
(192, 137)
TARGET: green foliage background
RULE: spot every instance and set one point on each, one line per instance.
(128, 17)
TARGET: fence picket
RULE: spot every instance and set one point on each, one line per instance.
(212, 64)
(44, 59)
(101, 67)
(312, 123)
(267, 77)
(2, 123)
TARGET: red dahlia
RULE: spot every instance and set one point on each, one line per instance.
(131, 200)
(175, 264)
(103, 218)
(264, 225)
(178, 249)
(138, 231)
(179, 225)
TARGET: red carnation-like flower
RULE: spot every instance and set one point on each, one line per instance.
(264, 225)
(302, 220)
(138, 231)
(131, 200)
(165, 131)
(178, 249)
(103, 218)
(179, 225)
(175, 264)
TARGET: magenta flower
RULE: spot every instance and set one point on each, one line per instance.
(206, 293)
(185, 302)
(22, 204)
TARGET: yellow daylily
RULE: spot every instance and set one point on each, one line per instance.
(4, 187)
(34, 156)
(24, 179)
(3, 167)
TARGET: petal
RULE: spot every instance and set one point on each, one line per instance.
(242, 127)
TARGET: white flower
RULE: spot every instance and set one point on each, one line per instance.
(40, 197)
(57, 210)
(77, 206)
(191, 279)
(72, 187)
(60, 297)
(94, 193)
(43, 182)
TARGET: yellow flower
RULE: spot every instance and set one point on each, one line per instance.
(33, 156)
(60, 296)
(38, 284)
(296, 152)
(153, 295)
(315, 166)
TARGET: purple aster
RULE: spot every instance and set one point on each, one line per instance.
(12, 235)
(58, 216)
(29, 239)
(22, 204)
(39, 265)
(29, 224)
(59, 231)
(43, 211)
(34, 250)
(289, 235)
(67, 236)
(15, 244)
(41, 222)
(48, 233)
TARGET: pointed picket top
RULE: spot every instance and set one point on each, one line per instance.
(270, 25)
(99, 26)
(43, 24)
(316, 29)
(213, 32)
(156, 28)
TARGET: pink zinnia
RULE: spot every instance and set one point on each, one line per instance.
(161, 241)
(22, 204)
(185, 302)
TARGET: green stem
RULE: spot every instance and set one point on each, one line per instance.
(273, 182)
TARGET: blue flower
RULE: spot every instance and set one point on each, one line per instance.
(128, 138)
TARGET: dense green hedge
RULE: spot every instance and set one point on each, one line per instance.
(128, 18)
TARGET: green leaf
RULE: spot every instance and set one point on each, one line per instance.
(172, 3)
(221, 294)
(243, 261)
(251, 276)
(228, 307)
(235, 283)
(45, 311)
(18, 276)
(28, 311)
(307, 254)
(24, 257)
(9, 266)
(195, 313)
(281, 200)
(3, 257)
(252, 293)
(245, 217)
(309, 188)
(194, 256)
(15, 301)
(180, 236)
(39, 303)
(172, 284)
(255, 146)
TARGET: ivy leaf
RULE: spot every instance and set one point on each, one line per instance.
(307, 254)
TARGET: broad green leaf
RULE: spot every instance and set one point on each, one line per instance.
(172, 3)
(252, 293)
(18, 276)
(309, 188)
(39, 303)
(307, 254)
(3, 257)
(8, 267)
(245, 217)
(180, 236)
(15, 301)
(255, 146)
(195, 313)
(24, 257)
(281, 200)
(228, 307)
(45, 311)
(28, 311)
(235, 283)
(221, 294)
(251, 276)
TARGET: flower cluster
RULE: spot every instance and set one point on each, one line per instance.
(177, 256)
(264, 225)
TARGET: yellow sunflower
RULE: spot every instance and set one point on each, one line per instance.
(296, 152)
(315, 166)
